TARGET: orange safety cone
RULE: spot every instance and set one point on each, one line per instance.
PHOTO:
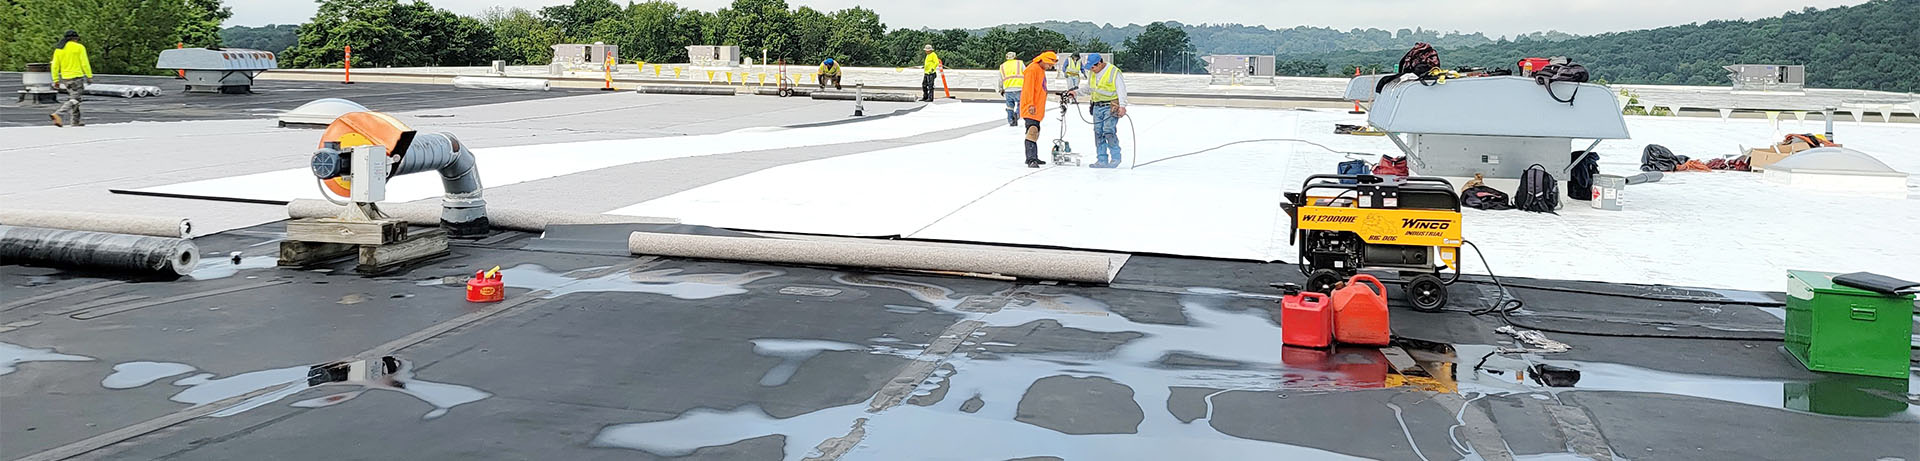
(486, 287)
(606, 63)
(1356, 104)
(943, 83)
(348, 75)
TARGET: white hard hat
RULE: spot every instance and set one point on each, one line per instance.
(1010, 55)
(927, 48)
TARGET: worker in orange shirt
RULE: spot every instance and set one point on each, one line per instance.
(1033, 102)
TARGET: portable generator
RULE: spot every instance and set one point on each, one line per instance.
(1408, 225)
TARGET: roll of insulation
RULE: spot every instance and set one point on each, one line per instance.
(688, 90)
(99, 222)
(1068, 267)
(98, 251)
(500, 83)
(428, 214)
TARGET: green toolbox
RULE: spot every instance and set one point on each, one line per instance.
(1841, 329)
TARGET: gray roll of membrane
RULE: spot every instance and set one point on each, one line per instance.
(840, 95)
(97, 251)
(1069, 267)
(688, 89)
(99, 222)
(428, 214)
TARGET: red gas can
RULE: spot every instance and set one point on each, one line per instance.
(486, 287)
(1305, 318)
(1360, 313)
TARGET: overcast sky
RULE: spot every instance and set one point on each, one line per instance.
(1494, 17)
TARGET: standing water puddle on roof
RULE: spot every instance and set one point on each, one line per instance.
(387, 373)
(1829, 394)
(988, 385)
(11, 354)
(670, 282)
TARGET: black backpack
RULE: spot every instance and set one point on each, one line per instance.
(1538, 192)
(1418, 61)
(1484, 198)
(1580, 180)
(1573, 73)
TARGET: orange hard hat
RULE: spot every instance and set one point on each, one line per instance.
(1046, 56)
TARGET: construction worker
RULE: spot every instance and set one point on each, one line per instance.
(1033, 102)
(930, 67)
(1010, 83)
(71, 72)
(1071, 70)
(1108, 93)
(829, 72)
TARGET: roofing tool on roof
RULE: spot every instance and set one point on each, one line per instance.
(357, 154)
(168, 257)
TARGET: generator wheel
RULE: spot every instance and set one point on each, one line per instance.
(1427, 293)
(1322, 281)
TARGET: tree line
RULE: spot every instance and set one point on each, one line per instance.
(121, 36)
(397, 33)
(1868, 46)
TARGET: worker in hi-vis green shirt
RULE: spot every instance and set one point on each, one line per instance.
(72, 73)
(931, 67)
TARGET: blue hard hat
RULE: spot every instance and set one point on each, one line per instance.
(1092, 58)
(829, 61)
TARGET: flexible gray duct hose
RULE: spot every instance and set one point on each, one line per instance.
(97, 251)
(463, 213)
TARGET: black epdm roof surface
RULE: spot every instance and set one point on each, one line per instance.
(707, 349)
(269, 98)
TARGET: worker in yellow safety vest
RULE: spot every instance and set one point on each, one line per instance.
(929, 68)
(1108, 93)
(1071, 70)
(72, 73)
(1010, 83)
(829, 72)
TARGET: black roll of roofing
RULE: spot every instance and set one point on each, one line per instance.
(98, 251)
(690, 90)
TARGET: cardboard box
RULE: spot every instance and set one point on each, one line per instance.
(1758, 159)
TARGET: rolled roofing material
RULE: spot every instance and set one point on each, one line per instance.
(124, 91)
(1086, 268)
(170, 257)
(500, 83)
(687, 89)
(99, 222)
(869, 96)
(428, 214)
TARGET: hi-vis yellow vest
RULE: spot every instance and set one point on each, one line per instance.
(1106, 84)
(1010, 78)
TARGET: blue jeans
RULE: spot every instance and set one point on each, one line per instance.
(1013, 108)
(1105, 138)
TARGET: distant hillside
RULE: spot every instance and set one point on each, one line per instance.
(271, 37)
(1242, 39)
(1874, 46)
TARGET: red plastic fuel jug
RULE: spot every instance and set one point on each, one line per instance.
(486, 287)
(1360, 313)
(1305, 318)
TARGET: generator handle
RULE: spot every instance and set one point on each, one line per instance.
(1356, 177)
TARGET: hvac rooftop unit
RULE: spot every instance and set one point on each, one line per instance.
(218, 70)
(713, 56)
(1768, 78)
(1494, 126)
